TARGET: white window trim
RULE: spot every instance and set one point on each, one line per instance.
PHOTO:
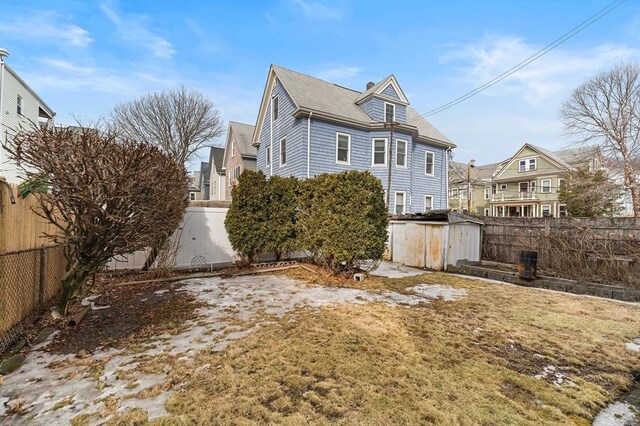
(505, 185)
(519, 183)
(542, 206)
(487, 193)
(542, 185)
(433, 163)
(385, 111)
(486, 212)
(404, 200)
(526, 164)
(533, 186)
(273, 101)
(267, 157)
(373, 152)
(338, 134)
(406, 155)
(280, 152)
(430, 197)
(233, 149)
(561, 180)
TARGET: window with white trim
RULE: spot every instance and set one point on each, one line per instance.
(527, 164)
(401, 153)
(429, 158)
(283, 152)
(379, 152)
(504, 186)
(486, 212)
(545, 186)
(268, 156)
(400, 202)
(523, 186)
(560, 183)
(487, 192)
(233, 149)
(389, 112)
(275, 108)
(192, 196)
(343, 148)
(545, 209)
(19, 105)
(428, 203)
(532, 186)
(562, 210)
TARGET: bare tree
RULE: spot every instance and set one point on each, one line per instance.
(180, 121)
(605, 109)
(107, 196)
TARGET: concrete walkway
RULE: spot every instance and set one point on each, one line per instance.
(395, 270)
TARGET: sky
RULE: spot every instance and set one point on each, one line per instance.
(85, 57)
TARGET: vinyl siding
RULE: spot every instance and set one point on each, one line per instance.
(374, 107)
(390, 92)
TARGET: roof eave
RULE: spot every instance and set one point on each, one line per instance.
(42, 103)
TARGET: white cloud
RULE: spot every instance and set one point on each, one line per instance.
(316, 10)
(337, 72)
(134, 29)
(45, 27)
(556, 72)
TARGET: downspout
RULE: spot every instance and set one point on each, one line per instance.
(309, 145)
(446, 173)
(271, 139)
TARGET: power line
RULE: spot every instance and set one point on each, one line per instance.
(586, 23)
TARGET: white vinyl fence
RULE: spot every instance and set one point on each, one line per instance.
(202, 241)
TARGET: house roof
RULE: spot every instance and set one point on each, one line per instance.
(204, 171)
(43, 104)
(242, 134)
(484, 172)
(576, 156)
(216, 157)
(322, 96)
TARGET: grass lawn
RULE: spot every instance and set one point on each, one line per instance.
(499, 355)
(471, 361)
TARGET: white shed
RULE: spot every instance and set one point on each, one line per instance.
(434, 239)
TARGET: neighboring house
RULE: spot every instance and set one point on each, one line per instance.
(194, 186)
(239, 153)
(20, 108)
(307, 126)
(203, 183)
(477, 179)
(527, 183)
(217, 182)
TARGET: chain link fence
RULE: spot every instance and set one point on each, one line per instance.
(28, 280)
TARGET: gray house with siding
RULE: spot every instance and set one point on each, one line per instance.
(307, 126)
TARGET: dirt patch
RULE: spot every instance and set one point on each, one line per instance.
(125, 315)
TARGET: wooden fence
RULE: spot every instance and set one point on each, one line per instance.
(20, 227)
(605, 250)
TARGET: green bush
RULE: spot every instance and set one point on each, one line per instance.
(343, 220)
(282, 211)
(340, 219)
(246, 221)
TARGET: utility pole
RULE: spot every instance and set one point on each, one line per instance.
(470, 165)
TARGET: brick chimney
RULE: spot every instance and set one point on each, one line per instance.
(370, 85)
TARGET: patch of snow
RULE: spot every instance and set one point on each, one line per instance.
(551, 373)
(89, 300)
(634, 346)
(616, 414)
(395, 270)
(160, 292)
(246, 298)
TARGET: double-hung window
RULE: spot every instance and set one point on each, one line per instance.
(428, 203)
(268, 156)
(487, 193)
(343, 148)
(527, 164)
(532, 186)
(283, 152)
(275, 108)
(545, 209)
(400, 202)
(429, 158)
(389, 112)
(379, 152)
(546, 186)
(401, 153)
(532, 164)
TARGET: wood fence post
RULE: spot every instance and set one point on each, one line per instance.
(41, 277)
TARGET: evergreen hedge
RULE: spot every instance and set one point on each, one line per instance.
(340, 219)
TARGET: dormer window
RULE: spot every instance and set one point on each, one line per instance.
(389, 112)
(527, 164)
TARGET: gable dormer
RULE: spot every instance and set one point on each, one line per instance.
(384, 100)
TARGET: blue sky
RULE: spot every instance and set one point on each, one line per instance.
(84, 57)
